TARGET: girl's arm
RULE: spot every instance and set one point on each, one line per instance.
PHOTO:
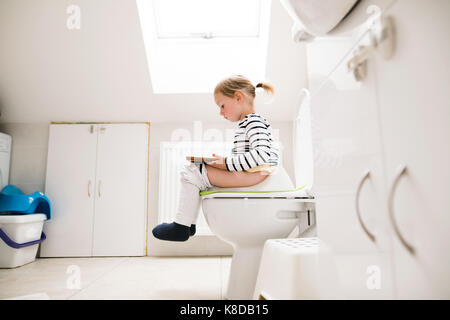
(219, 163)
(260, 148)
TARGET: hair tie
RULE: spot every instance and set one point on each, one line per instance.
(259, 85)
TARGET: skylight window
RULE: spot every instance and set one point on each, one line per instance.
(194, 18)
(191, 45)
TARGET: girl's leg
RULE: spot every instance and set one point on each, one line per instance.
(188, 204)
(188, 207)
(192, 181)
(184, 225)
(234, 179)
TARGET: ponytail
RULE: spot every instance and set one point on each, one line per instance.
(266, 86)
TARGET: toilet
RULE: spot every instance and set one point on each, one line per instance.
(247, 217)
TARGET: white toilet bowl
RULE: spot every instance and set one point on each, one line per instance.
(246, 220)
(247, 217)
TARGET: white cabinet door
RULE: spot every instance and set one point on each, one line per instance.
(69, 185)
(121, 190)
(347, 146)
(414, 102)
(349, 182)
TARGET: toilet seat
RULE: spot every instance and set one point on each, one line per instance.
(298, 193)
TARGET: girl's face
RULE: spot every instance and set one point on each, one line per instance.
(230, 108)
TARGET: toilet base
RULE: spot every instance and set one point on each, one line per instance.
(243, 272)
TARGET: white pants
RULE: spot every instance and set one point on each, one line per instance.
(194, 178)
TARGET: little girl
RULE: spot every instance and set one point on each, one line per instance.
(253, 157)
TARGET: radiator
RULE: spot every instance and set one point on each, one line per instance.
(172, 160)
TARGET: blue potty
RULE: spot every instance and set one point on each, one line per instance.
(14, 201)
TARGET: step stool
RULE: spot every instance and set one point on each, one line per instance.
(295, 268)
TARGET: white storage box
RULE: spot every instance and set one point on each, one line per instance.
(20, 236)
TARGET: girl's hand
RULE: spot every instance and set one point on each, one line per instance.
(219, 163)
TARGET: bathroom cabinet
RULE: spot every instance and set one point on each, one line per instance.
(414, 103)
(381, 153)
(96, 181)
(348, 177)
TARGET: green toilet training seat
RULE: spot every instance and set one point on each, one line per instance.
(300, 193)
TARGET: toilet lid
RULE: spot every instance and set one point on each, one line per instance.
(298, 193)
(302, 142)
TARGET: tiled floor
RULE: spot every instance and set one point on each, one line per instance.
(195, 278)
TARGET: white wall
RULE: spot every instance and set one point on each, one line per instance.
(28, 155)
(201, 244)
(29, 165)
(100, 73)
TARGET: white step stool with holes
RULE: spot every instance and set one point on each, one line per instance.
(295, 268)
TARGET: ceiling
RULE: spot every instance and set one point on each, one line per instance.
(100, 73)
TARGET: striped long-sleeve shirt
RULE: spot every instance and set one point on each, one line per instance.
(253, 145)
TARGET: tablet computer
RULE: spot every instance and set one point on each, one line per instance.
(200, 159)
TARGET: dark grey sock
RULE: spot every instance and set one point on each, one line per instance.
(192, 230)
(171, 232)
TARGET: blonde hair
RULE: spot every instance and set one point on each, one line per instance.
(229, 86)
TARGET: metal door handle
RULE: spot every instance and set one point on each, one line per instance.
(89, 188)
(99, 188)
(358, 213)
(400, 171)
(381, 38)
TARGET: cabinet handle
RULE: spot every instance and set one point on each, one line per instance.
(89, 188)
(381, 38)
(358, 213)
(358, 64)
(99, 187)
(400, 171)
